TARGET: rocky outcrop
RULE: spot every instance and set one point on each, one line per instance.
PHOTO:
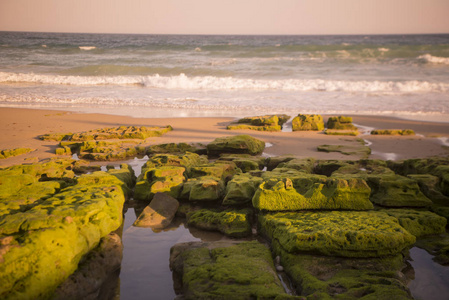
(260, 123)
(159, 213)
(239, 144)
(307, 123)
(393, 132)
(5, 153)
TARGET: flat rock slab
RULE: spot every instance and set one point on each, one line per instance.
(345, 233)
(159, 213)
(224, 270)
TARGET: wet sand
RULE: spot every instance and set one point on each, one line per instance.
(21, 128)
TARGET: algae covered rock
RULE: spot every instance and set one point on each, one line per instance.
(260, 123)
(167, 179)
(337, 233)
(243, 144)
(312, 192)
(224, 270)
(392, 132)
(245, 162)
(203, 189)
(322, 277)
(233, 223)
(418, 223)
(159, 213)
(361, 150)
(396, 191)
(5, 153)
(340, 123)
(174, 148)
(240, 189)
(308, 122)
(122, 132)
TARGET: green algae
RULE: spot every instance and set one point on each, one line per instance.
(308, 122)
(165, 179)
(361, 150)
(233, 223)
(321, 277)
(5, 153)
(260, 123)
(341, 123)
(173, 148)
(203, 189)
(418, 223)
(393, 132)
(225, 271)
(345, 233)
(312, 192)
(305, 165)
(122, 132)
(351, 132)
(241, 189)
(245, 162)
(239, 144)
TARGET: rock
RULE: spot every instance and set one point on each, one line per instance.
(312, 192)
(308, 122)
(396, 191)
(55, 136)
(42, 245)
(363, 151)
(418, 223)
(243, 144)
(107, 150)
(438, 246)
(203, 189)
(159, 213)
(233, 223)
(122, 132)
(167, 179)
(5, 153)
(430, 186)
(240, 189)
(337, 233)
(305, 165)
(94, 272)
(245, 162)
(392, 132)
(322, 277)
(348, 132)
(173, 148)
(274, 161)
(260, 123)
(224, 270)
(341, 123)
(219, 169)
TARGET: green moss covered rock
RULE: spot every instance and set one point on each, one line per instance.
(322, 277)
(5, 153)
(340, 123)
(203, 189)
(308, 122)
(260, 123)
(243, 144)
(274, 161)
(241, 189)
(312, 192)
(392, 132)
(224, 271)
(430, 186)
(396, 191)
(122, 132)
(164, 179)
(418, 223)
(233, 223)
(360, 150)
(347, 132)
(305, 165)
(174, 148)
(245, 162)
(344, 233)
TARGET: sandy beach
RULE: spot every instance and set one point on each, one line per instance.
(21, 128)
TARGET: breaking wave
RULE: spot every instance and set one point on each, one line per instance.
(184, 82)
(434, 59)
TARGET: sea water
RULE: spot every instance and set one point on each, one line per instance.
(191, 75)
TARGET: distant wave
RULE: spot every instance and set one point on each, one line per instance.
(434, 59)
(230, 83)
(87, 47)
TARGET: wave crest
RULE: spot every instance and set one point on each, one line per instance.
(434, 59)
(182, 81)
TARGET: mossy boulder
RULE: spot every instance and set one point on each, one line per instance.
(164, 179)
(219, 169)
(274, 161)
(224, 270)
(359, 150)
(122, 132)
(340, 123)
(5, 153)
(438, 246)
(243, 144)
(305, 165)
(108, 150)
(233, 223)
(418, 223)
(203, 189)
(240, 189)
(337, 233)
(174, 148)
(42, 245)
(260, 123)
(312, 192)
(396, 191)
(245, 162)
(322, 277)
(57, 136)
(347, 132)
(392, 132)
(308, 122)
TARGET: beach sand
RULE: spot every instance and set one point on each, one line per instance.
(21, 128)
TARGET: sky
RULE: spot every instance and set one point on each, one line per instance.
(227, 16)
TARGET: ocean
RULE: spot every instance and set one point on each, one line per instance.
(192, 75)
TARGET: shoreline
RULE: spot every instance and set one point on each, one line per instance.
(20, 127)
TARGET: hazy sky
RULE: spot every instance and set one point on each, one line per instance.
(227, 16)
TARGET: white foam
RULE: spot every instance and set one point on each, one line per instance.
(87, 48)
(434, 59)
(182, 81)
(383, 49)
